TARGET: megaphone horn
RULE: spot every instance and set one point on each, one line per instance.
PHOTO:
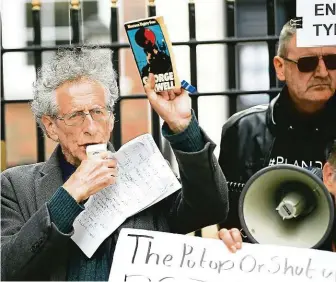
(286, 205)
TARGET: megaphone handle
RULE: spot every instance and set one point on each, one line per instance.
(237, 187)
(242, 233)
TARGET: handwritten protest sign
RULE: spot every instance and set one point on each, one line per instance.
(318, 23)
(150, 256)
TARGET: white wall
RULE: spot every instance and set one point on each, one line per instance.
(18, 76)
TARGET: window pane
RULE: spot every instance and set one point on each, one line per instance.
(20, 135)
(135, 119)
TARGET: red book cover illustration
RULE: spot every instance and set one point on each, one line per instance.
(153, 52)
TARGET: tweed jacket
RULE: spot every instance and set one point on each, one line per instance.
(34, 249)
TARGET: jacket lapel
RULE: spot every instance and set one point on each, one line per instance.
(46, 186)
(50, 180)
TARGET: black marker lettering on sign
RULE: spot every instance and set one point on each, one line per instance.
(317, 29)
(229, 264)
(328, 9)
(288, 268)
(137, 243)
(274, 259)
(149, 254)
(190, 258)
(167, 258)
(202, 258)
(185, 253)
(325, 9)
(308, 269)
(329, 29)
(245, 263)
(298, 270)
(260, 267)
(319, 10)
(213, 264)
(327, 273)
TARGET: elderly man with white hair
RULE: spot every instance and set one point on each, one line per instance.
(73, 103)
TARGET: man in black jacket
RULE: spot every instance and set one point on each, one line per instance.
(294, 128)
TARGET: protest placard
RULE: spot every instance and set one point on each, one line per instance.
(151, 256)
(316, 23)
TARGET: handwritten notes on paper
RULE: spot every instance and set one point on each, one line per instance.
(142, 255)
(144, 178)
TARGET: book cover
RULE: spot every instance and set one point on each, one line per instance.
(153, 52)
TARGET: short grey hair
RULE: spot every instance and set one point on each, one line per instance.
(332, 155)
(71, 65)
(286, 35)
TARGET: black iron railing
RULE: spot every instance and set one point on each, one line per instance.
(231, 41)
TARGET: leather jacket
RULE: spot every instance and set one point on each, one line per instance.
(272, 134)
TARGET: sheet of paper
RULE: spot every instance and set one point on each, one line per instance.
(144, 177)
(142, 255)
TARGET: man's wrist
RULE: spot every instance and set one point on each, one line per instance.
(74, 193)
(189, 140)
(63, 210)
(180, 125)
(70, 192)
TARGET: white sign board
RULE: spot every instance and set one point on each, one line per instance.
(318, 23)
(148, 256)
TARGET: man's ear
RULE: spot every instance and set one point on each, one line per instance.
(50, 127)
(279, 65)
(328, 174)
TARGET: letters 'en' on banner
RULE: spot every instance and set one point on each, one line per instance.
(316, 23)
